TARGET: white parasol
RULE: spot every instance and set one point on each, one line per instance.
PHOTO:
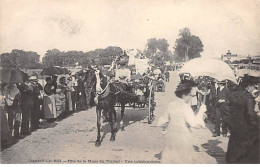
(209, 67)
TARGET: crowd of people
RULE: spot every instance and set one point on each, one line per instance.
(235, 107)
(24, 106)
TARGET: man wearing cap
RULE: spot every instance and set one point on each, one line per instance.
(222, 108)
(36, 102)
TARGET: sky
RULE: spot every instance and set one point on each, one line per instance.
(84, 25)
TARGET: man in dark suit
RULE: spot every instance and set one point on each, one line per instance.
(35, 115)
(222, 108)
(212, 99)
(26, 90)
(167, 76)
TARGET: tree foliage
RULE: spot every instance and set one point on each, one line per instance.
(187, 43)
(20, 59)
(99, 56)
(157, 51)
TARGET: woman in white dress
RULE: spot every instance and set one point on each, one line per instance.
(180, 119)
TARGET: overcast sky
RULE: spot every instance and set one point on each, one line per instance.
(39, 25)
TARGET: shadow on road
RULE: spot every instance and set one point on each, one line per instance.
(214, 150)
(159, 155)
(47, 125)
(131, 116)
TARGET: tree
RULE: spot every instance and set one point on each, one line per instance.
(99, 56)
(187, 46)
(20, 59)
(52, 58)
(157, 50)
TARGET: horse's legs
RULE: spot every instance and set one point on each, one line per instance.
(122, 116)
(114, 113)
(98, 111)
(111, 122)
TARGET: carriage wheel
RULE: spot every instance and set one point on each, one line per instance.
(150, 107)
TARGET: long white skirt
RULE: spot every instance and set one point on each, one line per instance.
(49, 107)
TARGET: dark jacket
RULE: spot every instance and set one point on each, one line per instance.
(48, 90)
(26, 94)
(225, 95)
(213, 94)
(36, 92)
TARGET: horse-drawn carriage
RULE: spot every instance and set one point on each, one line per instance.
(140, 95)
(121, 90)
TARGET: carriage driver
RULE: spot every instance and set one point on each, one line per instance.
(123, 75)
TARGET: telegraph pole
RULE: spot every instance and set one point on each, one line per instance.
(228, 56)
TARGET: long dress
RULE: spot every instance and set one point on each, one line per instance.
(244, 143)
(6, 136)
(81, 95)
(180, 118)
(49, 102)
(67, 93)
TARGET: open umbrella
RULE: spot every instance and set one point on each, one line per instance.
(13, 75)
(209, 67)
(52, 71)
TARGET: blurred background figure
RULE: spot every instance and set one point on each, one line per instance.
(13, 108)
(66, 91)
(60, 102)
(6, 136)
(49, 100)
(167, 76)
(26, 90)
(81, 94)
(37, 102)
(72, 84)
(213, 99)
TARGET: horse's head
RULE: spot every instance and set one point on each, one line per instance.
(101, 81)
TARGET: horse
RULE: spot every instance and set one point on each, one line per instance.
(107, 95)
(89, 86)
